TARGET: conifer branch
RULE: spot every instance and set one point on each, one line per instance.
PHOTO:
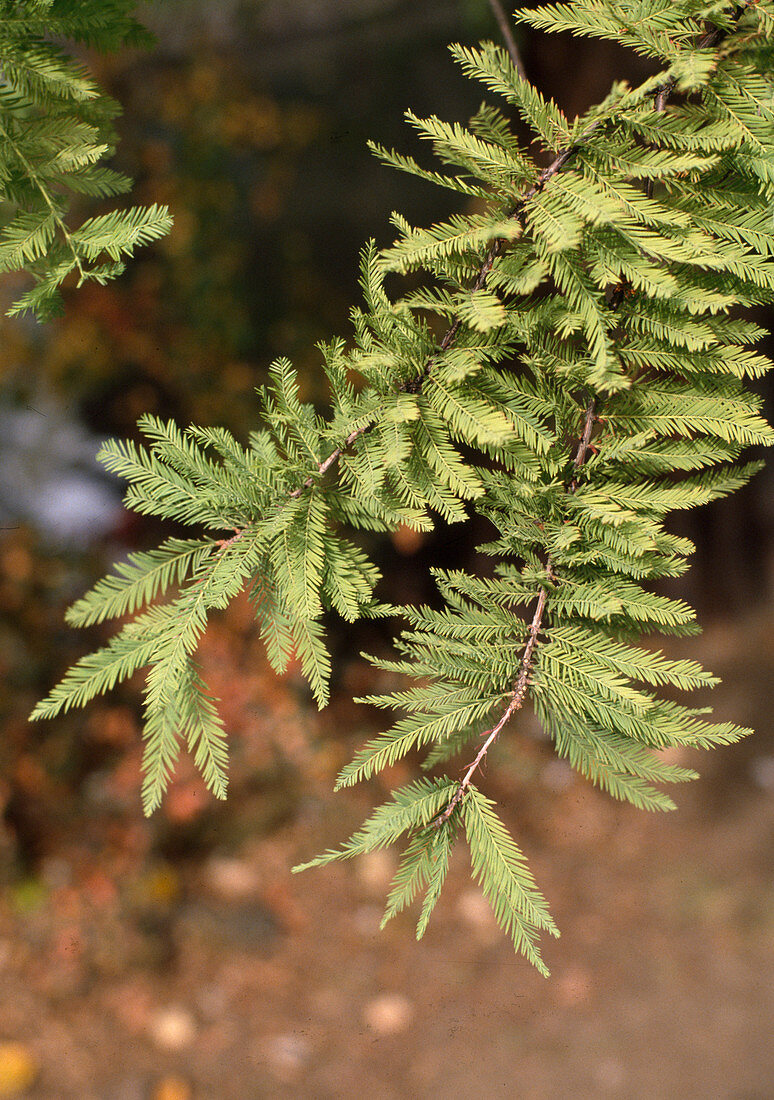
(331, 460)
(557, 163)
(439, 426)
(413, 385)
(496, 249)
(55, 132)
(43, 191)
(507, 33)
(515, 703)
(521, 686)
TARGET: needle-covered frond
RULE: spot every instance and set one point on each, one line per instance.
(55, 134)
(570, 362)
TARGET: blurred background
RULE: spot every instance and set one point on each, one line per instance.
(177, 958)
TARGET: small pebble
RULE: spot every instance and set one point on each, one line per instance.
(366, 919)
(762, 772)
(212, 1001)
(231, 879)
(388, 1013)
(573, 987)
(557, 776)
(172, 1028)
(610, 1074)
(473, 908)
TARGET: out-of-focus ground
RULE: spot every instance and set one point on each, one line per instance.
(181, 958)
(178, 958)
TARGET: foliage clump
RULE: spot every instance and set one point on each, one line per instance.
(56, 130)
(570, 364)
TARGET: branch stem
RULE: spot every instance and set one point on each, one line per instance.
(521, 685)
(584, 443)
(507, 33)
(515, 702)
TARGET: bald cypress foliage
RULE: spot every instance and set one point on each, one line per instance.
(56, 130)
(570, 364)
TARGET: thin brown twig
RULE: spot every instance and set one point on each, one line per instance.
(223, 544)
(333, 457)
(659, 104)
(584, 443)
(519, 693)
(515, 703)
(507, 33)
(661, 98)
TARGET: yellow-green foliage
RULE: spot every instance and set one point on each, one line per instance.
(591, 380)
(55, 131)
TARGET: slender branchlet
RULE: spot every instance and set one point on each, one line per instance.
(515, 703)
(510, 42)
